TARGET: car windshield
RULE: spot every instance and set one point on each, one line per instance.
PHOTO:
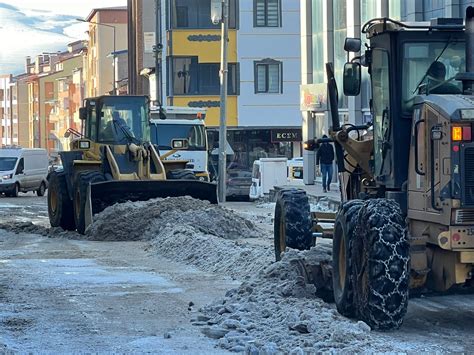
(165, 133)
(7, 164)
(431, 67)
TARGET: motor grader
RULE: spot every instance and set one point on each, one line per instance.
(406, 220)
(112, 160)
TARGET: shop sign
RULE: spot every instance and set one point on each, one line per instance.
(313, 97)
(286, 135)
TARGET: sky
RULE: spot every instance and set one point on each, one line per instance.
(31, 27)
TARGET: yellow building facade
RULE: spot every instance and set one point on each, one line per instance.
(199, 51)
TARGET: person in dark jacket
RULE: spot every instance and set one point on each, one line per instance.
(324, 158)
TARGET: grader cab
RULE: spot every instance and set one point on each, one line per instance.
(112, 160)
(407, 178)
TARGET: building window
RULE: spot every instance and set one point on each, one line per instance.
(267, 13)
(195, 14)
(268, 76)
(192, 78)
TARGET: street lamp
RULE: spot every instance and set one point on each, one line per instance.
(113, 55)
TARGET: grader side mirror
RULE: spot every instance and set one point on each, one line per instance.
(351, 79)
(352, 44)
(82, 113)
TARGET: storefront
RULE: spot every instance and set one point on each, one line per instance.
(251, 143)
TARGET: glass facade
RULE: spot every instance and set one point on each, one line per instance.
(368, 10)
(395, 9)
(318, 41)
(433, 9)
(340, 55)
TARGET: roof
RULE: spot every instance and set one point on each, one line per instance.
(449, 105)
(381, 25)
(94, 11)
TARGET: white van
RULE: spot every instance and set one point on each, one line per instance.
(23, 170)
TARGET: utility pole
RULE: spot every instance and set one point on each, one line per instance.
(158, 51)
(221, 186)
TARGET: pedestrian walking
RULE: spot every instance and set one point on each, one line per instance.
(324, 158)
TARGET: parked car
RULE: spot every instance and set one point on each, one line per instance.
(23, 170)
(238, 183)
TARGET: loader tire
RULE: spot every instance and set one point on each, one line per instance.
(293, 224)
(60, 207)
(381, 265)
(344, 229)
(180, 174)
(83, 180)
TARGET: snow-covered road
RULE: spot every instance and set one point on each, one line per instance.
(59, 293)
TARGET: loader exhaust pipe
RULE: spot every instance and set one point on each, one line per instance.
(468, 85)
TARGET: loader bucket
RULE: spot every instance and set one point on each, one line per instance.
(107, 193)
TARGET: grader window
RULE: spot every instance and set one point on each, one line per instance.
(381, 107)
(431, 68)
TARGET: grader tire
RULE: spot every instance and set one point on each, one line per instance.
(381, 270)
(80, 195)
(180, 174)
(344, 229)
(293, 224)
(60, 208)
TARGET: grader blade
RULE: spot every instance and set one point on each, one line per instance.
(107, 193)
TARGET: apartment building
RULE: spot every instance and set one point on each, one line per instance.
(8, 127)
(20, 110)
(107, 36)
(50, 110)
(263, 73)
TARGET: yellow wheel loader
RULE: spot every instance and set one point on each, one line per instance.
(406, 221)
(112, 160)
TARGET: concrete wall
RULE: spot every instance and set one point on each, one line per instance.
(278, 43)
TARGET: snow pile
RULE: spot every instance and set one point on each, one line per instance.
(24, 227)
(323, 205)
(146, 220)
(184, 243)
(32, 228)
(277, 311)
(266, 205)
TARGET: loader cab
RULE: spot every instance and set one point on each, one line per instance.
(116, 120)
(399, 58)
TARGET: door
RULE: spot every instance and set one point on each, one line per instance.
(432, 177)
(381, 111)
(20, 175)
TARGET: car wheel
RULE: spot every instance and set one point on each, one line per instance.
(15, 191)
(41, 190)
